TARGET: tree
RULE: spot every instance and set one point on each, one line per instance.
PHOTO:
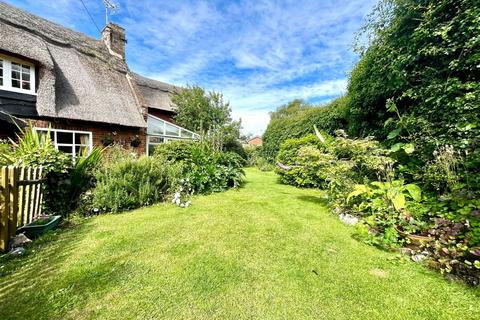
(200, 111)
(208, 114)
(423, 58)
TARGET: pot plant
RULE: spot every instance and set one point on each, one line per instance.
(135, 141)
(108, 139)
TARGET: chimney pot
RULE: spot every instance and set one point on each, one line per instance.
(114, 38)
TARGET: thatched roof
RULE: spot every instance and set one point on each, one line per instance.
(156, 94)
(79, 78)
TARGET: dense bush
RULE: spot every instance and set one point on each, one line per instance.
(256, 159)
(131, 183)
(207, 170)
(315, 163)
(361, 179)
(418, 80)
(306, 159)
(297, 119)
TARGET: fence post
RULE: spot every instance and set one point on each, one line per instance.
(4, 232)
(13, 216)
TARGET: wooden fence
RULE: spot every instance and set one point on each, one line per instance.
(20, 199)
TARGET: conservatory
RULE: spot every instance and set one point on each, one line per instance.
(160, 131)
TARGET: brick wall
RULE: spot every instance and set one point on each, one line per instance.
(121, 134)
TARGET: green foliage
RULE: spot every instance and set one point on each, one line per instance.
(313, 163)
(131, 183)
(417, 83)
(82, 174)
(416, 89)
(33, 148)
(297, 119)
(256, 159)
(208, 170)
(209, 115)
(307, 161)
(200, 111)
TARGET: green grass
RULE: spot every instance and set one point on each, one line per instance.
(266, 251)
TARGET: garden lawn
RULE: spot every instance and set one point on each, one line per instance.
(266, 251)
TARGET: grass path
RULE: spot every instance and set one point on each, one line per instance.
(266, 251)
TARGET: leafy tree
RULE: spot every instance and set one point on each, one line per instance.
(297, 119)
(210, 115)
(420, 70)
(200, 111)
(292, 108)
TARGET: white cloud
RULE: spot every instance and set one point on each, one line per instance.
(259, 53)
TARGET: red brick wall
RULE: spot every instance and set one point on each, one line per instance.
(122, 135)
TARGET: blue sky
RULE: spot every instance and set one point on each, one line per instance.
(260, 54)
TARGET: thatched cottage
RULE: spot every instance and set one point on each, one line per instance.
(78, 86)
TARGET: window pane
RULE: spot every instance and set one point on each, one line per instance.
(25, 85)
(154, 126)
(82, 138)
(15, 83)
(26, 76)
(64, 137)
(81, 151)
(156, 140)
(16, 75)
(186, 134)
(15, 67)
(66, 149)
(26, 69)
(171, 130)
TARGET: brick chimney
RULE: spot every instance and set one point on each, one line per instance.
(114, 37)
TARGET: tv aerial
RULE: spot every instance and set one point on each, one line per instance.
(110, 7)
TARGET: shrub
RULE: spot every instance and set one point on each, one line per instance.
(313, 163)
(129, 183)
(207, 170)
(256, 159)
(36, 149)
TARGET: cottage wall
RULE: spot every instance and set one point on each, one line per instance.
(121, 134)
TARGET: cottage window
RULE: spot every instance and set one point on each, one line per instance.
(160, 131)
(69, 141)
(17, 75)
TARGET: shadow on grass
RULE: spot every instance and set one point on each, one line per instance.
(25, 279)
(313, 199)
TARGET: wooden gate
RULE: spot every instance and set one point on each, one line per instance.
(20, 199)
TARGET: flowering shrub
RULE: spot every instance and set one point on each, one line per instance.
(182, 197)
(207, 170)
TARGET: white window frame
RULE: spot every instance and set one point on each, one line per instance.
(73, 144)
(194, 135)
(168, 137)
(7, 75)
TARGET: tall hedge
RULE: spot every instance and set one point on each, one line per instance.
(300, 122)
(424, 58)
